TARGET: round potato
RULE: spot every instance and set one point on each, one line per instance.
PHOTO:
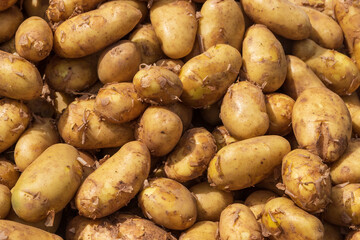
(5, 201)
(256, 202)
(8, 173)
(10, 21)
(170, 64)
(36, 7)
(205, 230)
(352, 103)
(5, 4)
(222, 137)
(184, 112)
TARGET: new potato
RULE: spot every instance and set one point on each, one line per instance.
(10, 21)
(8, 173)
(5, 201)
(205, 230)
(352, 103)
(256, 202)
(222, 137)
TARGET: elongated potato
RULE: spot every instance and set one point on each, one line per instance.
(336, 70)
(205, 230)
(36, 7)
(89, 32)
(322, 123)
(256, 202)
(222, 137)
(245, 163)
(282, 220)
(8, 173)
(294, 25)
(243, 111)
(206, 77)
(81, 127)
(5, 4)
(10, 21)
(352, 103)
(264, 61)
(5, 201)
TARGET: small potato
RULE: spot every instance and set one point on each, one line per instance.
(210, 201)
(280, 16)
(141, 5)
(257, 200)
(34, 39)
(205, 230)
(36, 8)
(118, 103)
(243, 111)
(282, 220)
(245, 163)
(169, 204)
(354, 235)
(175, 25)
(90, 32)
(336, 70)
(211, 114)
(321, 123)
(184, 112)
(5, 201)
(9, 46)
(238, 222)
(158, 85)
(8, 173)
(81, 127)
(352, 103)
(10, 21)
(222, 137)
(307, 180)
(324, 6)
(332, 232)
(119, 62)
(171, 64)
(264, 61)
(115, 182)
(221, 22)
(162, 137)
(207, 76)
(5, 4)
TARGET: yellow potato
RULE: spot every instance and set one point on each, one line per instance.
(273, 182)
(36, 8)
(332, 232)
(10, 21)
(324, 6)
(205, 230)
(222, 137)
(5, 201)
(141, 5)
(184, 112)
(256, 202)
(5, 4)
(352, 103)
(322, 123)
(61, 102)
(173, 65)
(88, 163)
(8, 173)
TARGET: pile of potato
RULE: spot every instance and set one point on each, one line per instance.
(173, 119)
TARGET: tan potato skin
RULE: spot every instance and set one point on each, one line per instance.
(115, 182)
(36, 8)
(205, 230)
(79, 36)
(34, 141)
(352, 103)
(264, 61)
(322, 123)
(62, 101)
(10, 21)
(282, 220)
(81, 127)
(184, 112)
(207, 76)
(324, 6)
(5, 201)
(16, 231)
(173, 65)
(256, 202)
(34, 39)
(19, 79)
(222, 137)
(243, 111)
(210, 201)
(332, 232)
(141, 5)
(245, 163)
(280, 16)
(238, 222)
(336, 70)
(6, 4)
(8, 174)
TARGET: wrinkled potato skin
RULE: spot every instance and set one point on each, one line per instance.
(243, 111)
(184, 112)
(141, 5)
(5, 4)
(264, 61)
(89, 32)
(237, 222)
(222, 137)
(207, 76)
(352, 103)
(205, 230)
(322, 123)
(191, 156)
(324, 6)
(10, 21)
(81, 127)
(173, 65)
(336, 70)
(245, 163)
(115, 182)
(34, 141)
(332, 232)
(307, 180)
(8, 174)
(257, 200)
(210, 201)
(282, 220)
(36, 8)
(295, 25)
(169, 204)
(5, 201)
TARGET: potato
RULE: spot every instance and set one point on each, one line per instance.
(282, 220)
(38, 193)
(175, 25)
(162, 137)
(36, 8)
(115, 182)
(273, 182)
(14, 119)
(173, 65)
(336, 70)
(168, 203)
(352, 103)
(145, 38)
(264, 61)
(71, 75)
(8, 173)
(299, 77)
(211, 114)
(324, 6)
(205, 230)
(9, 46)
(222, 137)
(280, 16)
(141, 5)
(184, 112)
(16, 231)
(119, 62)
(307, 180)
(5, 4)
(221, 22)
(354, 235)
(89, 32)
(81, 127)
(256, 202)
(88, 163)
(5, 201)
(10, 21)
(332, 232)
(245, 163)
(210, 201)
(238, 222)
(243, 111)
(158, 85)
(62, 101)
(34, 39)
(321, 123)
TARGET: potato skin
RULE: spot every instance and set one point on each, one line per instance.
(6, 4)
(112, 185)
(243, 111)
(205, 230)
(222, 137)
(324, 6)
(228, 171)
(36, 7)
(354, 235)
(5, 201)
(256, 202)
(8, 174)
(168, 203)
(141, 5)
(352, 103)
(184, 112)
(10, 21)
(322, 123)
(173, 65)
